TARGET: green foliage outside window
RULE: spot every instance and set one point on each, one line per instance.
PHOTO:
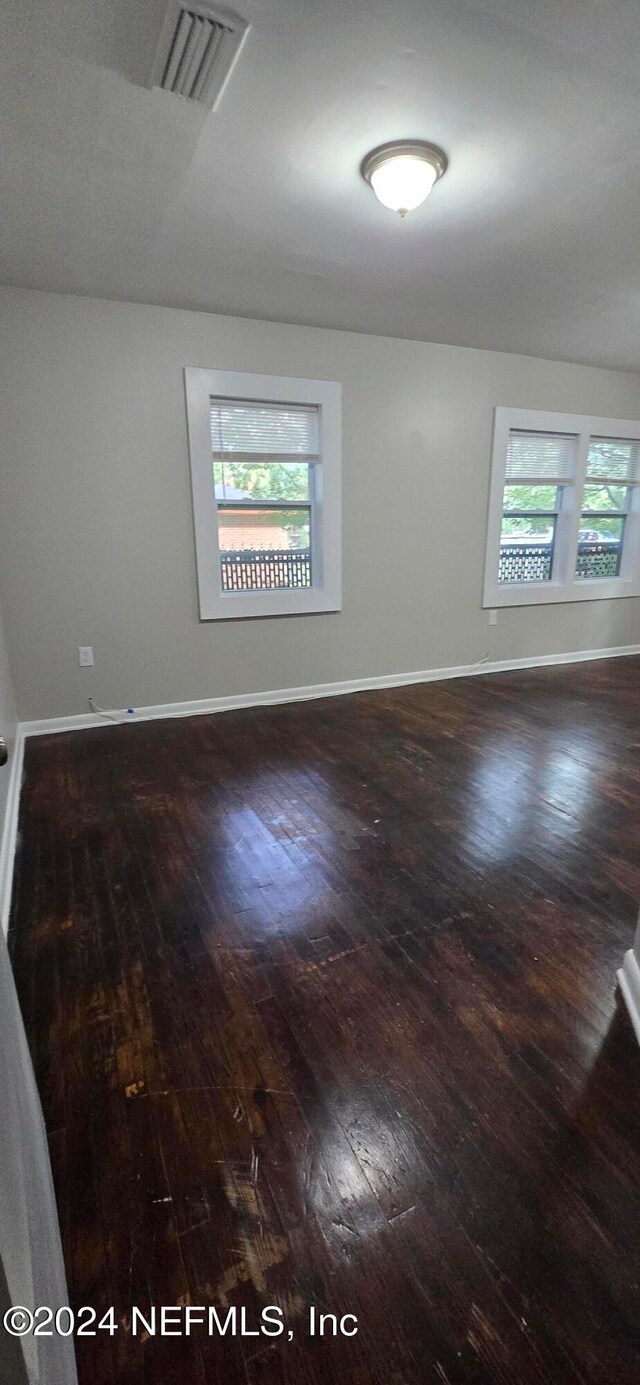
(264, 480)
(597, 498)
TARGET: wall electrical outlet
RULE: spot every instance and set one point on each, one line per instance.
(493, 617)
(85, 656)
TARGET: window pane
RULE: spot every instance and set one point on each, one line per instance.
(599, 548)
(261, 480)
(611, 457)
(539, 527)
(605, 498)
(261, 550)
(530, 498)
(526, 549)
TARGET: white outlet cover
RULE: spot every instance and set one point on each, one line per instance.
(85, 656)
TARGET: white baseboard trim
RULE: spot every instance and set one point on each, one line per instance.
(208, 705)
(629, 983)
(10, 829)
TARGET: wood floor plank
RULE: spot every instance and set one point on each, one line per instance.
(322, 1007)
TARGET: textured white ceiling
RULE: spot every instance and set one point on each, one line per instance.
(530, 243)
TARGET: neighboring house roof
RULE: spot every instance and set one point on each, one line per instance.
(231, 493)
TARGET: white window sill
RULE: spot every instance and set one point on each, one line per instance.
(548, 593)
(242, 605)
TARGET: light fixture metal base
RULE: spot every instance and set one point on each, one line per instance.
(418, 148)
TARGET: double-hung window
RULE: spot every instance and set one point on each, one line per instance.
(607, 499)
(564, 509)
(265, 470)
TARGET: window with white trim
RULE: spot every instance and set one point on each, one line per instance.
(564, 508)
(265, 473)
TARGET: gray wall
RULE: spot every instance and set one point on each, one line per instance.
(96, 540)
(30, 1251)
(8, 718)
(31, 1267)
(13, 1370)
(12, 1367)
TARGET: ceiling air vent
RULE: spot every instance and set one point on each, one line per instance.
(197, 51)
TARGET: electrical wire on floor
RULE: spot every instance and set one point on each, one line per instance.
(119, 717)
(111, 716)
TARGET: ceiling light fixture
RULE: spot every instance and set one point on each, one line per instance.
(403, 173)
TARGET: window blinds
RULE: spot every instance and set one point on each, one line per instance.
(539, 456)
(613, 459)
(248, 432)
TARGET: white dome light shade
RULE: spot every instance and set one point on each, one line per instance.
(403, 174)
(403, 183)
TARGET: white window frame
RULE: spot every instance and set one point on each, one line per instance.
(325, 593)
(563, 586)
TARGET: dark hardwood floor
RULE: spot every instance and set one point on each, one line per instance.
(321, 1000)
